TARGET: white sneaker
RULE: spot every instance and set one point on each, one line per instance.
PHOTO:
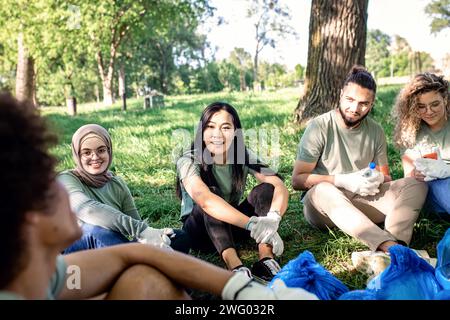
(244, 270)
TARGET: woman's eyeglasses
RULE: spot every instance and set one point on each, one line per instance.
(88, 153)
(434, 107)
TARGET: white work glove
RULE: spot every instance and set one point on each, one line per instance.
(432, 169)
(364, 182)
(240, 287)
(263, 228)
(156, 237)
(277, 244)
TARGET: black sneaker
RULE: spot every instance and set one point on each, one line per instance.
(265, 269)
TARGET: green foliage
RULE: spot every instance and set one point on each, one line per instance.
(439, 11)
(299, 72)
(387, 58)
(76, 45)
(377, 52)
(143, 143)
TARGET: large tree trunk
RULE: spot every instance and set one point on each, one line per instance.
(337, 41)
(25, 77)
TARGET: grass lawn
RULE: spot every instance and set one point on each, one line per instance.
(144, 144)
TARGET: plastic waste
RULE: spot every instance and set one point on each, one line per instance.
(408, 277)
(372, 167)
(443, 266)
(304, 272)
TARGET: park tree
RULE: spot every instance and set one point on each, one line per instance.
(377, 53)
(53, 32)
(439, 11)
(271, 20)
(24, 26)
(229, 75)
(171, 41)
(337, 41)
(242, 60)
(107, 24)
(299, 71)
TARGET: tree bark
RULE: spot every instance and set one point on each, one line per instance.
(122, 88)
(256, 84)
(25, 76)
(107, 78)
(337, 41)
(97, 93)
(242, 80)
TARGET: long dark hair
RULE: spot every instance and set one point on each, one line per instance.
(237, 153)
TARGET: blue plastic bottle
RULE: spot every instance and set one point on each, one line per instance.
(372, 167)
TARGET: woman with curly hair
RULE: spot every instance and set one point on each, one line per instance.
(422, 133)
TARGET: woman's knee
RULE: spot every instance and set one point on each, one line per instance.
(261, 193)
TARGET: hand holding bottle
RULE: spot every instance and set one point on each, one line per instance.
(364, 182)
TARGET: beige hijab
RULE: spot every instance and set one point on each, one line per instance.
(98, 180)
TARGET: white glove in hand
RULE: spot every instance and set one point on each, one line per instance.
(240, 287)
(364, 182)
(277, 244)
(263, 228)
(432, 169)
(156, 237)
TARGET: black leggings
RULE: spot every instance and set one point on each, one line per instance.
(208, 233)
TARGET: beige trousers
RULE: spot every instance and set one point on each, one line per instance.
(397, 205)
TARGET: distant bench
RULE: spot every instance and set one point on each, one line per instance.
(153, 100)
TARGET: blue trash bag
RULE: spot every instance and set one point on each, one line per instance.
(304, 272)
(442, 272)
(408, 277)
(359, 295)
(443, 295)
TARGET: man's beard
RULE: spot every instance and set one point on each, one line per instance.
(349, 123)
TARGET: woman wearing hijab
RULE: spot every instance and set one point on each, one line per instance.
(102, 201)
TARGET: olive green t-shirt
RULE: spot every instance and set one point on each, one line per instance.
(56, 284)
(337, 149)
(111, 206)
(188, 167)
(426, 139)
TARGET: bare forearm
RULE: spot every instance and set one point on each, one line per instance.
(221, 210)
(306, 181)
(280, 199)
(101, 268)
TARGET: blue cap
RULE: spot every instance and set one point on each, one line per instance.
(372, 165)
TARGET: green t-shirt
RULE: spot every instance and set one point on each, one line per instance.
(337, 149)
(188, 167)
(426, 139)
(57, 282)
(111, 206)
